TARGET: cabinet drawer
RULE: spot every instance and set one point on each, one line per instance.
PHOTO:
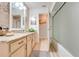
(17, 44)
(20, 52)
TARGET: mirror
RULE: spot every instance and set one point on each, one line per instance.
(16, 21)
(17, 15)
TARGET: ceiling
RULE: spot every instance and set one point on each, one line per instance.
(38, 4)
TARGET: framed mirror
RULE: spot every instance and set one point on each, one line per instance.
(17, 16)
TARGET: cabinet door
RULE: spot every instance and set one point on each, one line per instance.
(34, 40)
(29, 45)
(33, 43)
(20, 52)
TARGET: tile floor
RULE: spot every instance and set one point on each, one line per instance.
(42, 50)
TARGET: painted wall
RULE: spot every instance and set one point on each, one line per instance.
(66, 27)
(50, 27)
(4, 14)
(27, 18)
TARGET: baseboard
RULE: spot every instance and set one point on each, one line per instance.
(64, 53)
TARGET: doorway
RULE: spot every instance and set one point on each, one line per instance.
(43, 31)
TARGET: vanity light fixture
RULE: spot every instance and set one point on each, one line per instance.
(19, 5)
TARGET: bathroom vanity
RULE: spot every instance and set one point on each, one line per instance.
(17, 45)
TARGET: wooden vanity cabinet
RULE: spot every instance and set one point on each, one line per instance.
(4, 49)
(18, 48)
(17, 44)
(20, 52)
(33, 40)
(29, 45)
(15, 48)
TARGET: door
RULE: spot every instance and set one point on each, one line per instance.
(44, 29)
(43, 26)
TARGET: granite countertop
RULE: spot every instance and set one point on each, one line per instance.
(14, 37)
